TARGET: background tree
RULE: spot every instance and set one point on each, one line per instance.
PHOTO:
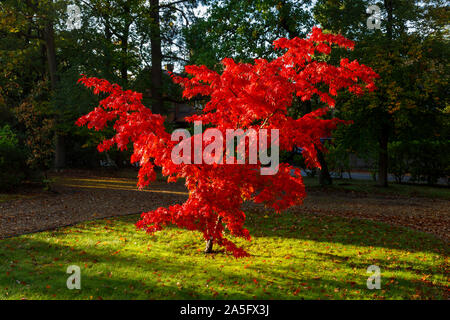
(29, 29)
(114, 42)
(410, 48)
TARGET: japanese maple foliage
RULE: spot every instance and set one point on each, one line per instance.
(246, 96)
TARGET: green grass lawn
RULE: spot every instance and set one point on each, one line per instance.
(293, 257)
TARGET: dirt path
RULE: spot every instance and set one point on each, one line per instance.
(423, 214)
(82, 198)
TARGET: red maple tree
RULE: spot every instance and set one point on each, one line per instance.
(244, 96)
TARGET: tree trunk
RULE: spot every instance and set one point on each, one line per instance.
(123, 63)
(324, 176)
(60, 151)
(124, 46)
(209, 246)
(383, 157)
(390, 21)
(210, 242)
(384, 134)
(156, 72)
(49, 35)
(107, 51)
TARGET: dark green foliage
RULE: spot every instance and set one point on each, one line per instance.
(410, 53)
(245, 30)
(430, 160)
(399, 161)
(12, 160)
(425, 160)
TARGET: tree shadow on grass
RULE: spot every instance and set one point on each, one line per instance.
(29, 271)
(32, 264)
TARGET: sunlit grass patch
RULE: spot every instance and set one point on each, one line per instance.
(293, 256)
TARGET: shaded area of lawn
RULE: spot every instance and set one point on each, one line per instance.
(294, 256)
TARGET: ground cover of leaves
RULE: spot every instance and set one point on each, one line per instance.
(85, 196)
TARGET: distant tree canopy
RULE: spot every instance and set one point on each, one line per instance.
(126, 42)
(410, 52)
(129, 42)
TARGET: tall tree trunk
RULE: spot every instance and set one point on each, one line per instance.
(123, 63)
(107, 51)
(384, 133)
(156, 72)
(389, 22)
(124, 46)
(44, 60)
(49, 36)
(383, 157)
(324, 176)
